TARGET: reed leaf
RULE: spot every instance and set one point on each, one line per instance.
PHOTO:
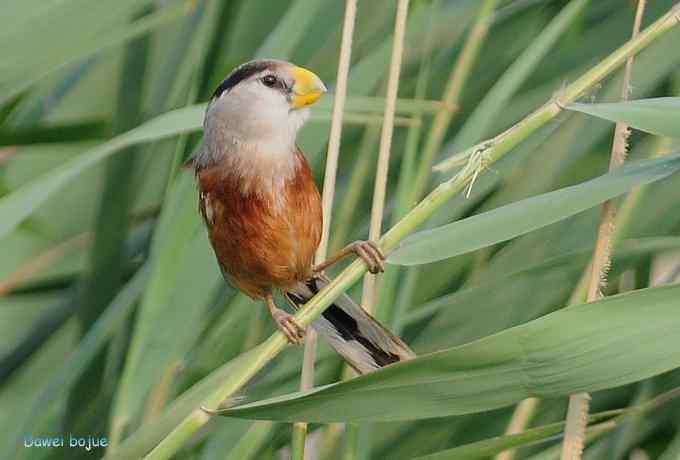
(569, 351)
(660, 116)
(524, 216)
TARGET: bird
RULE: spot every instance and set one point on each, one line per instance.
(262, 208)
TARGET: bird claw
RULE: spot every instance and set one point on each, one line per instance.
(371, 254)
(289, 327)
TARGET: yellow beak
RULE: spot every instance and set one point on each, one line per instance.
(308, 88)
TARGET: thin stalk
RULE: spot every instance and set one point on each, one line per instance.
(351, 442)
(416, 187)
(358, 118)
(307, 376)
(336, 124)
(385, 310)
(107, 259)
(579, 404)
(251, 442)
(376, 105)
(241, 370)
(360, 171)
(624, 218)
(370, 292)
(42, 261)
(332, 436)
(297, 444)
(370, 288)
(520, 420)
(452, 93)
(601, 258)
(411, 185)
(625, 214)
(407, 172)
(160, 394)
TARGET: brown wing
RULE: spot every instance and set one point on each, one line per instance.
(262, 241)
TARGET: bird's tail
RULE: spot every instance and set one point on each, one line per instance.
(360, 339)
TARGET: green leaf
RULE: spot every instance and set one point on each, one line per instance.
(103, 26)
(68, 132)
(290, 30)
(524, 216)
(487, 447)
(657, 116)
(24, 200)
(584, 348)
(72, 365)
(183, 279)
(491, 446)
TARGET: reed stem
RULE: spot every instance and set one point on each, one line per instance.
(307, 375)
(380, 189)
(579, 404)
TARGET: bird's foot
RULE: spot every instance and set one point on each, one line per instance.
(289, 326)
(371, 254)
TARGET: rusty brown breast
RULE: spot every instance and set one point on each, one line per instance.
(262, 242)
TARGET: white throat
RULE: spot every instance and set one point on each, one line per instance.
(251, 134)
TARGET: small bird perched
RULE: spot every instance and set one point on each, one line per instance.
(263, 210)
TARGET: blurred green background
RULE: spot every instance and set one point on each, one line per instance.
(111, 303)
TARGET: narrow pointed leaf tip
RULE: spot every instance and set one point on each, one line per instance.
(659, 116)
(571, 350)
(527, 215)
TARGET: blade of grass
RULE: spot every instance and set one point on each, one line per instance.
(601, 422)
(523, 216)
(463, 301)
(564, 352)
(107, 258)
(660, 116)
(500, 446)
(370, 288)
(411, 189)
(42, 261)
(24, 200)
(451, 97)
(386, 309)
(95, 339)
(251, 442)
(73, 132)
(476, 126)
(43, 329)
(182, 283)
(291, 29)
(521, 417)
(17, 78)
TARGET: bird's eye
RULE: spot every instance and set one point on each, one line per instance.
(269, 80)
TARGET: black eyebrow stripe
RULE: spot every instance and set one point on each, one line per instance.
(241, 73)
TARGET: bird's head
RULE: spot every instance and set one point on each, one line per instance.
(263, 100)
